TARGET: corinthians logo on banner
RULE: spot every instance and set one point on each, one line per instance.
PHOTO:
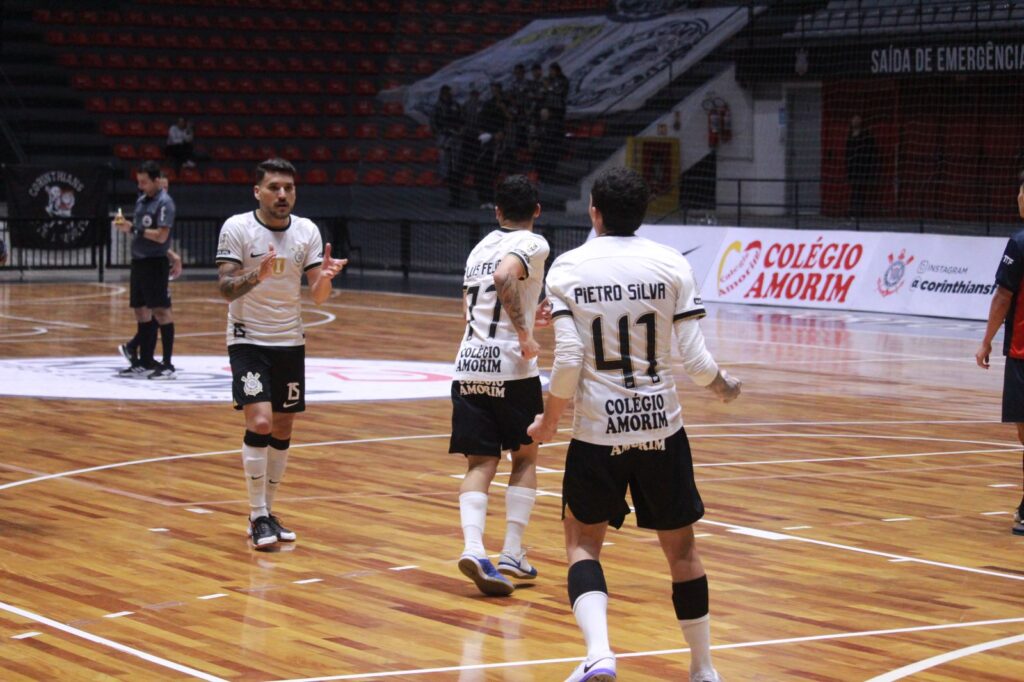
(54, 207)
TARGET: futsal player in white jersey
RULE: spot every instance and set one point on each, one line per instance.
(261, 257)
(616, 302)
(496, 389)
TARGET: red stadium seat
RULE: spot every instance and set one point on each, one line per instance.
(307, 129)
(366, 87)
(120, 104)
(363, 107)
(281, 129)
(345, 176)
(158, 129)
(256, 129)
(215, 176)
(239, 176)
(206, 129)
(336, 130)
(349, 153)
(374, 176)
(126, 151)
(315, 176)
(335, 108)
(428, 178)
(367, 131)
(403, 177)
(145, 105)
(422, 132)
(97, 104)
(430, 155)
(292, 153)
(376, 154)
(111, 128)
(223, 152)
(396, 131)
(230, 129)
(321, 153)
(136, 129)
(392, 109)
(247, 152)
(404, 155)
(151, 152)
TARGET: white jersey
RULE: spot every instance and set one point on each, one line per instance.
(490, 347)
(269, 315)
(624, 295)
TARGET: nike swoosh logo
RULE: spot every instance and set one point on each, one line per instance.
(256, 478)
(687, 253)
(586, 668)
(260, 255)
(290, 404)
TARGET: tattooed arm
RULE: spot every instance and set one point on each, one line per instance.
(506, 283)
(235, 282)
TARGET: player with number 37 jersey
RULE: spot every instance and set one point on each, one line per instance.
(490, 349)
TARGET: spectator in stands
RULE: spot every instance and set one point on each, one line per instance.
(469, 151)
(3, 252)
(520, 105)
(494, 120)
(861, 160)
(535, 91)
(1006, 309)
(179, 147)
(556, 92)
(546, 145)
(446, 123)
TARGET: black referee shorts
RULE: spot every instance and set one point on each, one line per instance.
(149, 287)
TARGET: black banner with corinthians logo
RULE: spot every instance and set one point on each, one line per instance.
(57, 207)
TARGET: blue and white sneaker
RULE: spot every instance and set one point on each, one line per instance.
(485, 575)
(516, 567)
(600, 669)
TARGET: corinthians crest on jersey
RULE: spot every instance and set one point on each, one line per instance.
(270, 314)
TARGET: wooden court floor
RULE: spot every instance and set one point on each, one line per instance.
(858, 527)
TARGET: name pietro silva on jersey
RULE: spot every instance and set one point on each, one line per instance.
(640, 291)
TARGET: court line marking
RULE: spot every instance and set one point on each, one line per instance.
(383, 439)
(662, 652)
(860, 550)
(55, 323)
(96, 639)
(917, 667)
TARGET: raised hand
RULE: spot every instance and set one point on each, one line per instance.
(331, 266)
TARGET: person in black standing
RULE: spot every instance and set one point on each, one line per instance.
(861, 161)
(446, 122)
(1007, 309)
(150, 296)
(494, 118)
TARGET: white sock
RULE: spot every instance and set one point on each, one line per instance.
(698, 637)
(591, 611)
(518, 505)
(473, 509)
(254, 461)
(277, 460)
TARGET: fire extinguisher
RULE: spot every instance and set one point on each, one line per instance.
(726, 122)
(714, 127)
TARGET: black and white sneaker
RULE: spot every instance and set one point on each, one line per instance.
(128, 353)
(163, 373)
(262, 532)
(283, 534)
(136, 371)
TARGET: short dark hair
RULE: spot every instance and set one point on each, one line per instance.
(276, 165)
(516, 196)
(152, 169)
(621, 195)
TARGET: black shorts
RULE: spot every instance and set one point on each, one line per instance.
(1013, 391)
(491, 416)
(274, 374)
(149, 283)
(659, 477)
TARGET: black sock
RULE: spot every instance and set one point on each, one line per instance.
(147, 342)
(167, 340)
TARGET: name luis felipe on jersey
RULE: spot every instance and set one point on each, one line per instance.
(485, 268)
(636, 413)
(638, 291)
(479, 359)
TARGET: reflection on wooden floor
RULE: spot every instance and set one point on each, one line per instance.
(858, 515)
